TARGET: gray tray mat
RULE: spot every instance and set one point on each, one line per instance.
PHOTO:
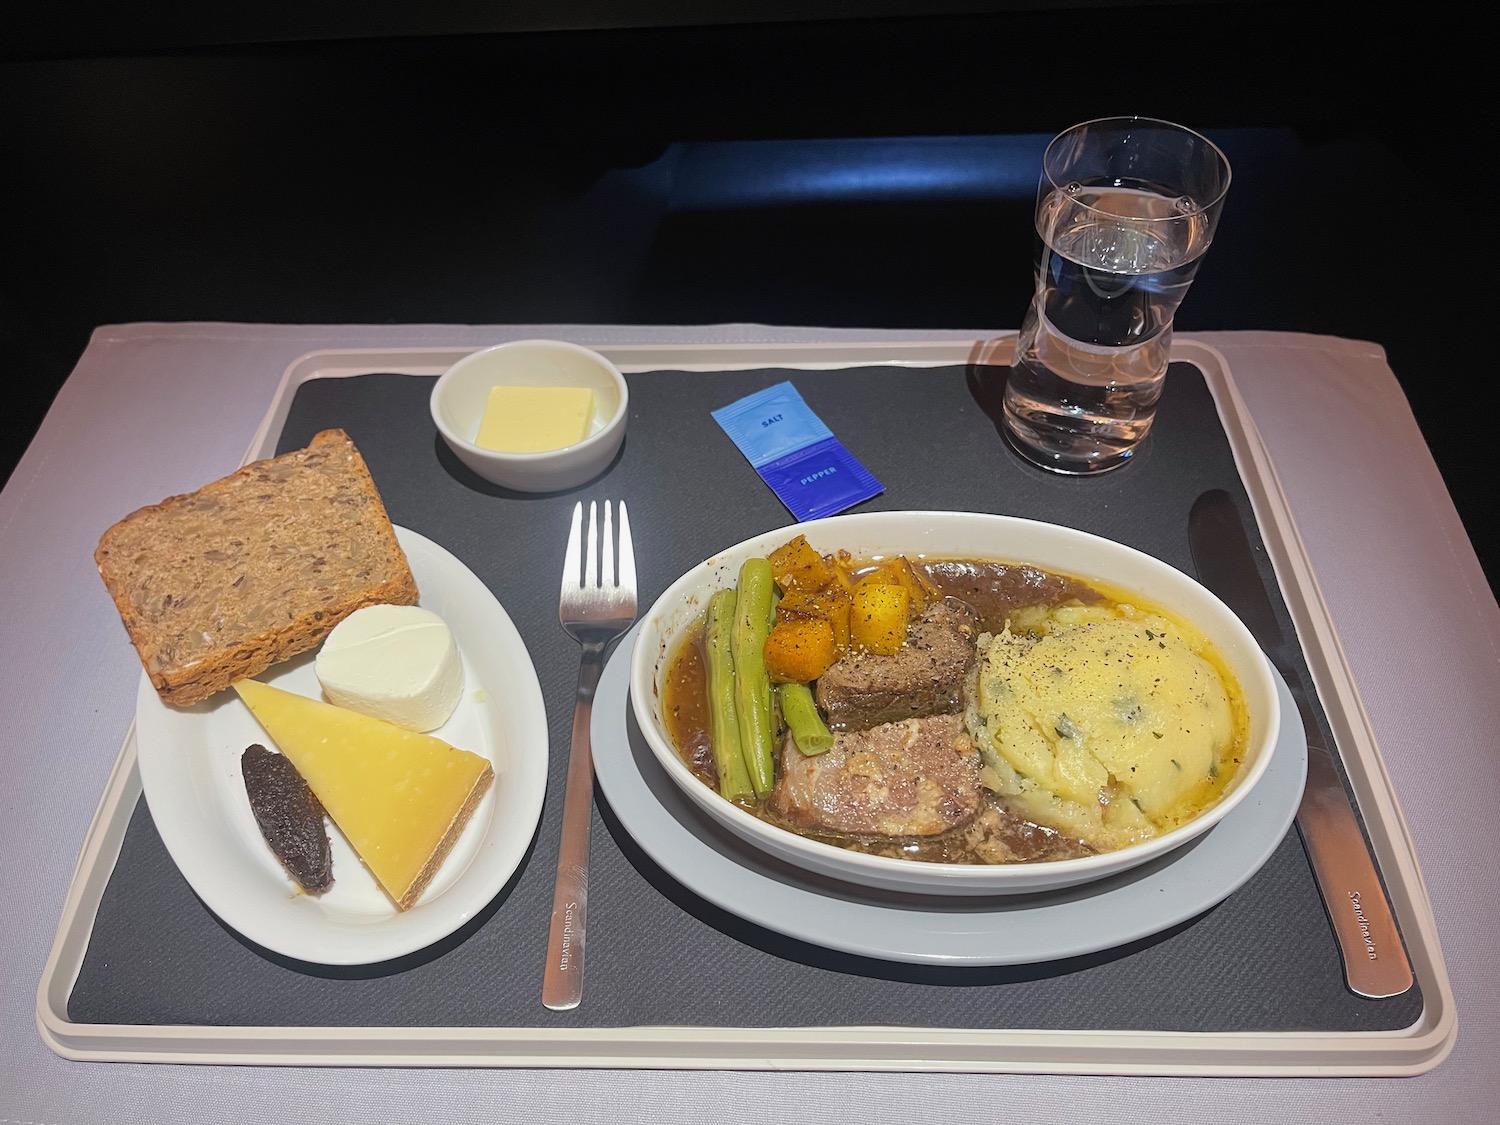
(1263, 960)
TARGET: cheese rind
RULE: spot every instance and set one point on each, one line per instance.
(399, 663)
(535, 419)
(401, 798)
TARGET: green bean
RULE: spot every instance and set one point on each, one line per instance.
(723, 719)
(809, 731)
(752, 683)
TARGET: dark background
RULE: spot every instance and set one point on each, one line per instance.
(862, 164)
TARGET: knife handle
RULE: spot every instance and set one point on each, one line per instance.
(1375, 962)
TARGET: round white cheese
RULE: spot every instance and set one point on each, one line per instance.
(394, 662)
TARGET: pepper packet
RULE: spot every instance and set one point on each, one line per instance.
(795, 453)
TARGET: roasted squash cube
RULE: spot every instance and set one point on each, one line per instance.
(798, 567)
(898, 571)
(921, 593)
(800, 649)
(877, 619)
(837, 602)
(799, 602)
(832, 602)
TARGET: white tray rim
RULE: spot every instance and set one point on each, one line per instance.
(1403, 1052)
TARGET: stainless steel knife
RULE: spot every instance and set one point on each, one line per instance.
(1375, 962)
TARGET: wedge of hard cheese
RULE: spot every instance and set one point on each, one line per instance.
(399, 797)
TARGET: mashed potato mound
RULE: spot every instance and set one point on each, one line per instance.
(1107, 722)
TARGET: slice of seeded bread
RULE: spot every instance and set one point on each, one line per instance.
(222, 583)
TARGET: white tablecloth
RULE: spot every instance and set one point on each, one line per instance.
(155, 409)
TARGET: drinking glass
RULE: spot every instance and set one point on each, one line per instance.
(1126, 208)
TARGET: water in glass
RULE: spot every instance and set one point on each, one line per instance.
(1114, 262)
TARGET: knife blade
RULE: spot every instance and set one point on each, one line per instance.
(1375, 962)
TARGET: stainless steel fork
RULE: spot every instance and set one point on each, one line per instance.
(596, 607)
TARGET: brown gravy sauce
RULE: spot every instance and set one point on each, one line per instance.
(684, 699)
(995, 590)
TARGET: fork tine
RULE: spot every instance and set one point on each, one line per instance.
(591, 560)
(627, 552)
(573, 556)
(607, 569)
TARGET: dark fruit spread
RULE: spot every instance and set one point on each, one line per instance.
(289, 815)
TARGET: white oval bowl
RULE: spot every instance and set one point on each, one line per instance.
(957, 535)
(462, 392)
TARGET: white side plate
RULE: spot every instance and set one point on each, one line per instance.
(190, 772)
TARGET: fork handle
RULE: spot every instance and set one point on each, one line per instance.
(562, 983)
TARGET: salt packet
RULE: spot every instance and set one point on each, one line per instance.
(795, 453)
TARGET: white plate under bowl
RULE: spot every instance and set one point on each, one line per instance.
(939, 535)
(189, 761)
(920, 929)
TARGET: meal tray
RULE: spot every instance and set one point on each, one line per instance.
(141, 970)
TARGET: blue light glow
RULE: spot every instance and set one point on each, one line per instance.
(746, 174)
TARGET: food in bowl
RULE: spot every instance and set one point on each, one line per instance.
(532, 415)
(535, 419)
(959, 710)
(1109, 723)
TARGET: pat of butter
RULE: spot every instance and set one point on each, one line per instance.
(534, 419)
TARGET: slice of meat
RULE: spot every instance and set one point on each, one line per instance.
(924, 677)
(918, 777)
